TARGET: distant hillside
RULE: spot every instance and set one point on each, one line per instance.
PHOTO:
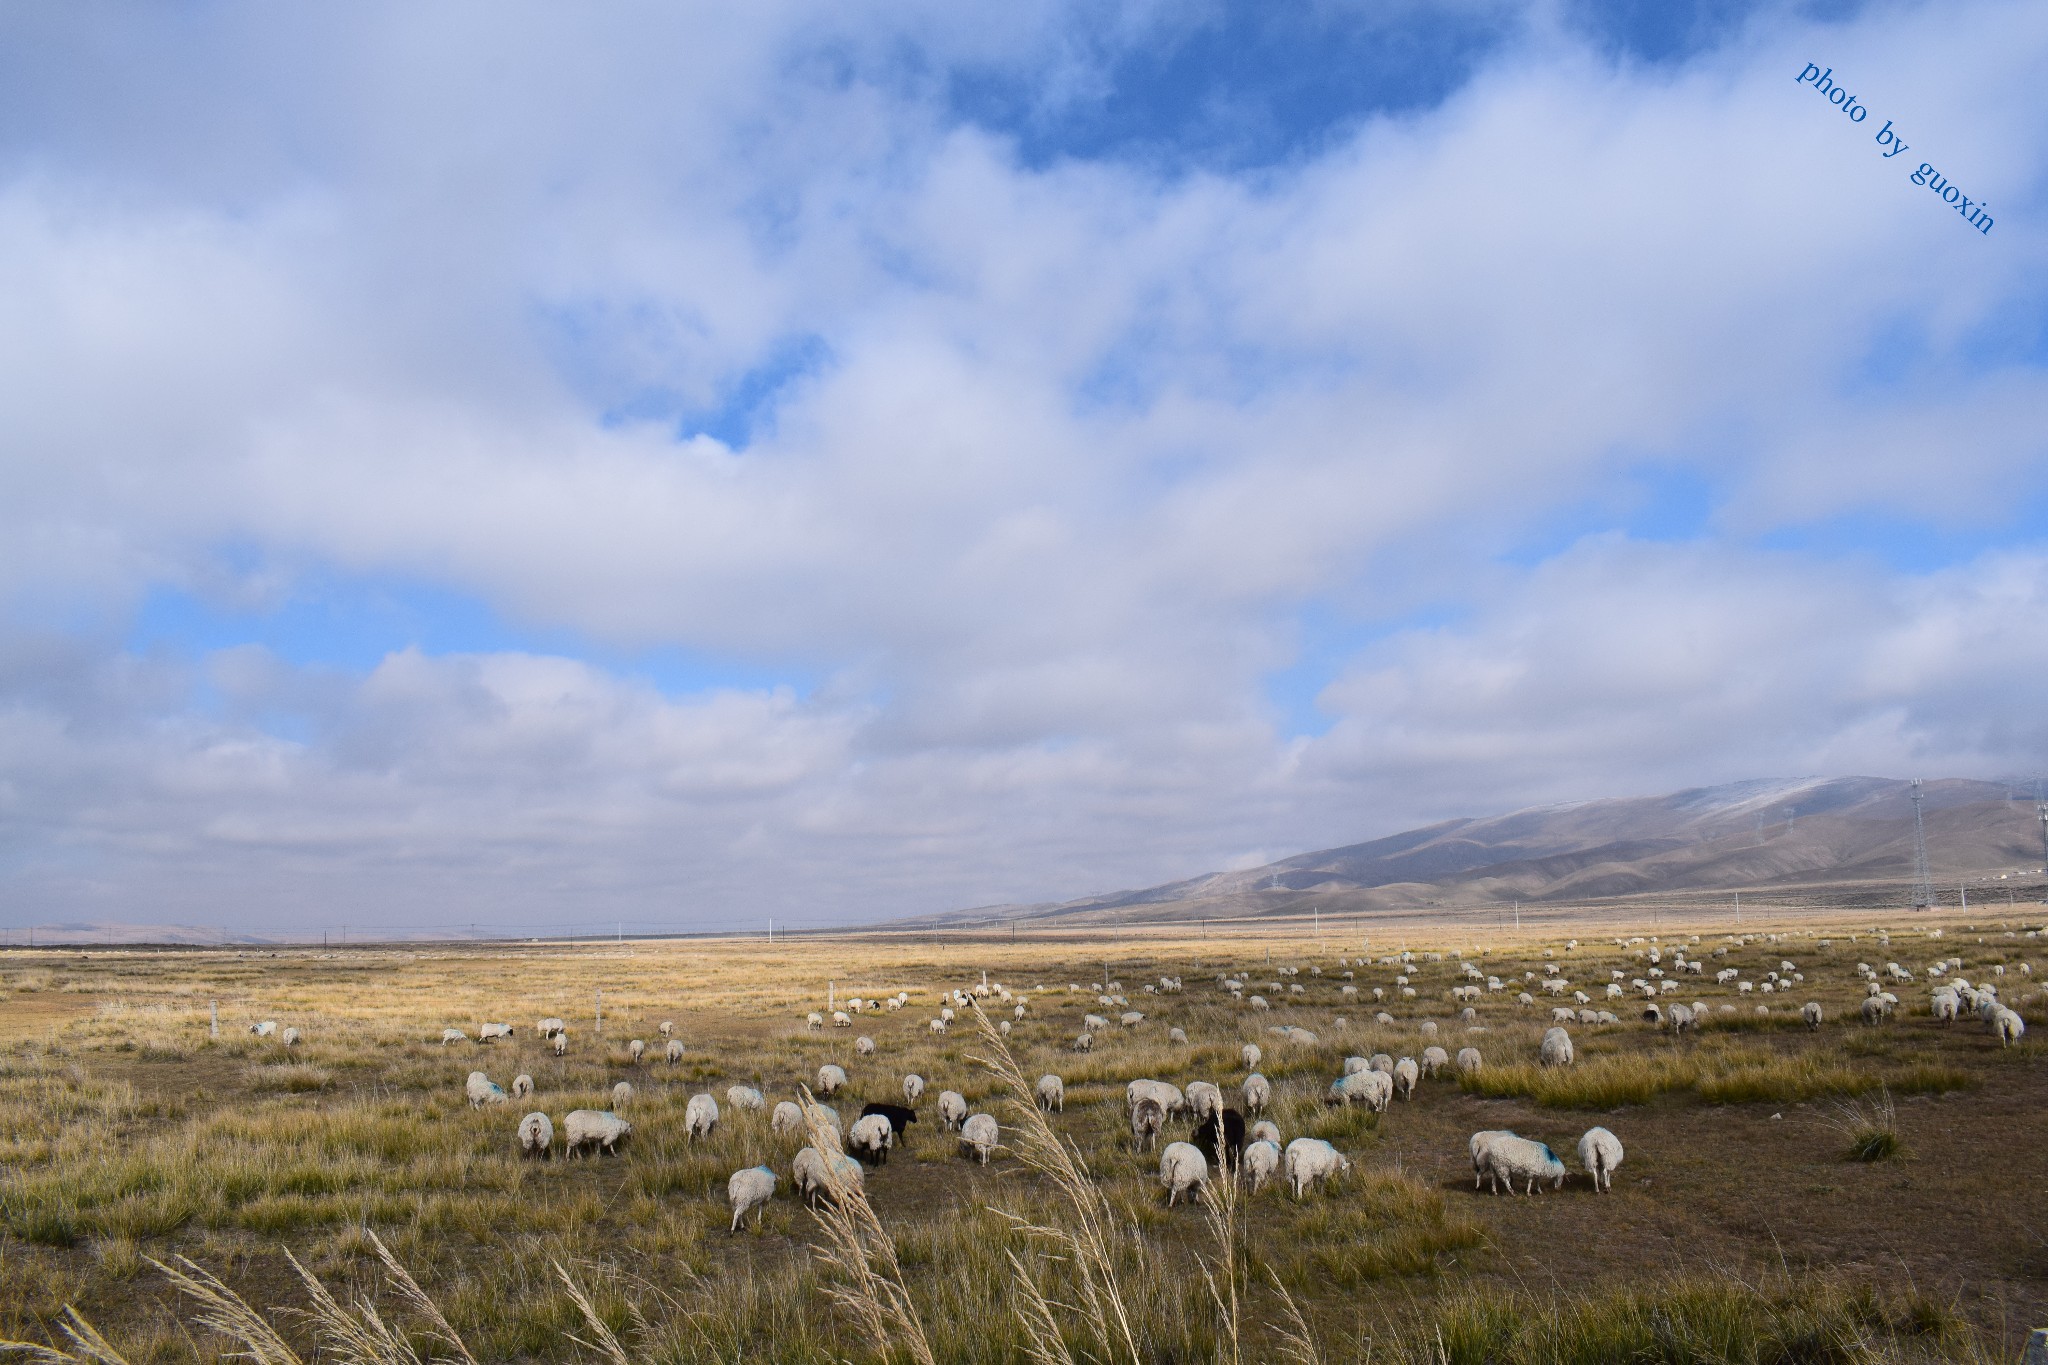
(1769, 835)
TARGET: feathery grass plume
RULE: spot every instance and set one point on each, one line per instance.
(607, 1344)
(1297, 1344)
(361, 1336)
(88, 1347)
(1872, 1128)
(1222, 1207)
(872, 1291)
(223, 1311)
(1089, 1241)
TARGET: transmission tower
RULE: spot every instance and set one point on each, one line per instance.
(1923, 880)
(2041, 809)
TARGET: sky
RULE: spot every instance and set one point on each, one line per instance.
(673, 467)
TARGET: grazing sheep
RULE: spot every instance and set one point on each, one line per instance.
(1683, 1020)
(548, 1028)
(1094, 1023)
(622, 1095)
(913, 1088)
(1811, 1013)
(1169, 1096)
(980, 1135)
(673, 1051)
(1469, 1061)
(585, 1128)
(787, 1118)
(952, 1109)
(1434, 1059)
(1556, 1049)
(1261, 1162)
(268, 1028)
(1251, 1055)
(1407, 1076)
(481, 1091)
(667, 1028)
(898, 1116)
(1479, 1144)
(938, 1026)
(636, 1050)
(522, 1086)
(1204, 1099)
(700, 1117)
(864, 1046)
(841, 1019)
(817, 1178)
(1258, 1093)
(1383, 1063)
(1085, 1043)
(1220, 1138)
(1258, 1002)
(1148, 1118)
(537, 1136)
(1354, 1065)
(1311, 1160)
(814, 1021)
(830, 1078)
(1874, 1009)
(1018, 1014)
(1948, 1006)
(453, 1035)
(1371, 1088)
(749, 1192)
(561, 1043)
(486, 1032)
(823, 1126)
(290, 1037)
(1052, 1093)
(1600, 1153)
(1182, 1170)
(2008, 1027)
(1508, 1158)
(744, 1097)
(871, 1137)
(1130, 1019)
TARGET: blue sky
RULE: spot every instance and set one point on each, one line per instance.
(856, 460)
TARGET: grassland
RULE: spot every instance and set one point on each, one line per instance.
(1851, 1194)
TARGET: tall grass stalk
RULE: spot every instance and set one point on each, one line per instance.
(1088, 1241)
(88, 1347)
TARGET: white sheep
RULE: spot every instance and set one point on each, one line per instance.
(1600, 1153)
(913, 1088)
(1258, 1093)
(1265, 1130)
(486, 1032)
(1434, 1059)
(622, 1095)
(817, 1178)
(1508, 1158)
(666, 1028)
(1130, 1019)
(536, 1136)
(1260, 1162)
(1353, 1065)
(864, 1046)
(700, 1117)
(561, 1043)
(873, 1135)
(2008, 1027)
(745, 1097)
(952, 1109)
(673, 1051)
(481, 1091)
(1204, 1099)
(290, 1037)
(1251, 1055)
(814, 1021)
(596, 1128)
(268, 1028)
(1469, 1061)
(748, 1191)
(1169, 1096)
(453, 1035)
(980, 1135)
(1182, 1171)
(1383, 1063)
(787, 1118)
(1371, 1088)
(1311, 1160)
(1948, 1006)
(522, 1086)
(636, 1050)
(1084, 1043)
(548, 1028)
(1874, 1009)
(841, 1019)
(1556, 1049)
(1148, 1119)
(1176, 1035)
(830, 1078)
(1052, 1093)
(1406, 1076)
(938, 1026)
(1811, 1013)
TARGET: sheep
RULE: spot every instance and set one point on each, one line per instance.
(1683, 1020)
(1084, 1043)
(787, 1118)
(1220, 1138)
(1469, 1061)
(481, 1091)
(1258, 1002)
(1052, 1093)
(673, 1051)
(2008, 1027)
(290, 1037)
(593, 1128)
(1406, 1077)
(1873, 1009)
(913, 1088)
(938, 1026)
(1265, 1130)
(1556, 1049)
(537, 1136)
(1251, 1055)
(744, 1097)
(817, 1177)
(864, 1046)
(1353, 1065)
(1169, 1096)
(1148, 1117)
(1811, 1013)
(1130, 1019)
(561, 1043)
(548, 1028)
(486, 1032)
(1182, 1170)
(1176, 1035)
(1372, 1088)
(1261, 1162)
(952, 1109)
(1383, 1063)
(268, 1028)
(749, 1192)
(814, 1021)
(1600, 1153)
(1947, 1006)
(667, 1028)
(522, 1086)
(1258, 1093)
(636, 1050)
(830, 1078)
(1508, 1158)
(453, 1035)
(622, 1095)
(1479, 1144)
(1203, 1099)
(820, 1123)
(980, 1135)
(1310, 1160)
(700, 1117)
(1094, 1023)
(1434, 1059)
(871, 1137)
(841, 1019)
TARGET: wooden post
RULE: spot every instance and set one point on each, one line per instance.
(213, 1018)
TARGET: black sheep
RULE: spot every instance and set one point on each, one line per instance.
(1233, 1138)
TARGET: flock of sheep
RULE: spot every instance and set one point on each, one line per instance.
(1220, 1142)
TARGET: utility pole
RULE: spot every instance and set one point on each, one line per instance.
(1518, 917)
(597, 1029)
(1738, 907)
(1923, 881)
